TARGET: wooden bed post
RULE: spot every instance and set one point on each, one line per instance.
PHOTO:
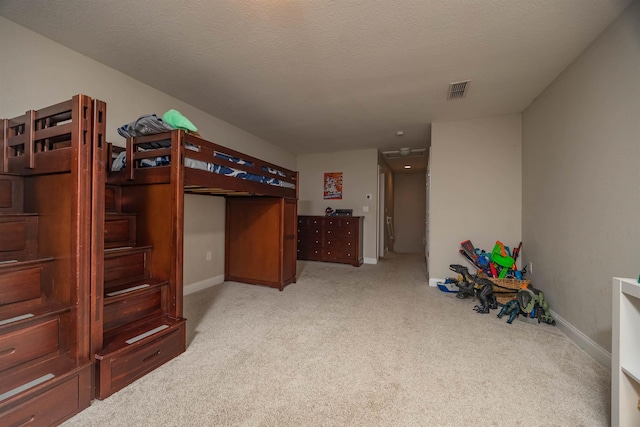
(29, 143)
(4, 155)
(129, 165)
(177, 219)
(100, 163)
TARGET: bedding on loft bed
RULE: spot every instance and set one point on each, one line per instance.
(119, 163)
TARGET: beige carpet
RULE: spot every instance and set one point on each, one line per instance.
(368, 346)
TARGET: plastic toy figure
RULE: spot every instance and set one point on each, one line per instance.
(512, 308)
(532, 300)
(465, 282)
(471, 285)
(484, 292)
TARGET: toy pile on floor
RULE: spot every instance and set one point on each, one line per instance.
(498, 281)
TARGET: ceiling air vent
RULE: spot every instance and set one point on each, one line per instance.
(458, 89)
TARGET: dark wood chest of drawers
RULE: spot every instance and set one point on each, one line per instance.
(330, 239)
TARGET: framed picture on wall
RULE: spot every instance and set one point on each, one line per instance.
(333, 185)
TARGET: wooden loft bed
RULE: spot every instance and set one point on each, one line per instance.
(199, 173)
(261, 227)
(91, 259)
(46, 166)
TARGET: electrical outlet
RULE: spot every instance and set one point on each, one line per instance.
(531, 267)
(208, 255)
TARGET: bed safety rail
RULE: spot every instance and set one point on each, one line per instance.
(40, 141)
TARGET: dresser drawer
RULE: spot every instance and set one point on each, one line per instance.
(310, 231)
(340, 222)
(310, 253)
(338, 243)
(309, 222)
(339, 254)
(315, 241)
(340, 232)
(28, 343)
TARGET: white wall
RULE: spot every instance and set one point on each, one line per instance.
(36, 72)
(476, 188)
(410, 207)
(360, 177)
(581, 179)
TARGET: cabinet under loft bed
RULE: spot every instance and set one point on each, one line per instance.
(47, 161)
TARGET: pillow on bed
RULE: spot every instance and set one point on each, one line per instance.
(178, 121)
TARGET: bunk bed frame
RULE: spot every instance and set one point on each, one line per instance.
(91, 259)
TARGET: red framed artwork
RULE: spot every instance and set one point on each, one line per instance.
(333, 185)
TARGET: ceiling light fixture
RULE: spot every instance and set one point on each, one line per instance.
(400, 133)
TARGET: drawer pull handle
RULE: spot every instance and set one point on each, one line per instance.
(329, 231)
(7, 352)
(329, 253)
(349, 244)
(151, 356)
(27, 421)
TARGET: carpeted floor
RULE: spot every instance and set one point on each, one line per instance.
(368, 346)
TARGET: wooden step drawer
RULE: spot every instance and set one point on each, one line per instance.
(112, 198)
(125, 266)
(53, 406)
(25, 281)
(123, 367)
(119, 230)
(28, 343)
(11, 193)
(18, 237)
(134, 308)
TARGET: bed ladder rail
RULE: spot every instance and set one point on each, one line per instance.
(4, 166)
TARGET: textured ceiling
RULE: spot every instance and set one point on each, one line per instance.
(320, 76)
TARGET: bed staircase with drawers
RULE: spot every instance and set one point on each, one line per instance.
(45, 219)
(91, 259)
(139, 329)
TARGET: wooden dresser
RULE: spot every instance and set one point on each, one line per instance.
(330, 239)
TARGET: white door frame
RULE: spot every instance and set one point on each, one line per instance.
(381, 213)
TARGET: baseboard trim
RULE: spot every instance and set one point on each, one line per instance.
(203, 284)
(584, 342)
(370, 260)
(433, 282)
